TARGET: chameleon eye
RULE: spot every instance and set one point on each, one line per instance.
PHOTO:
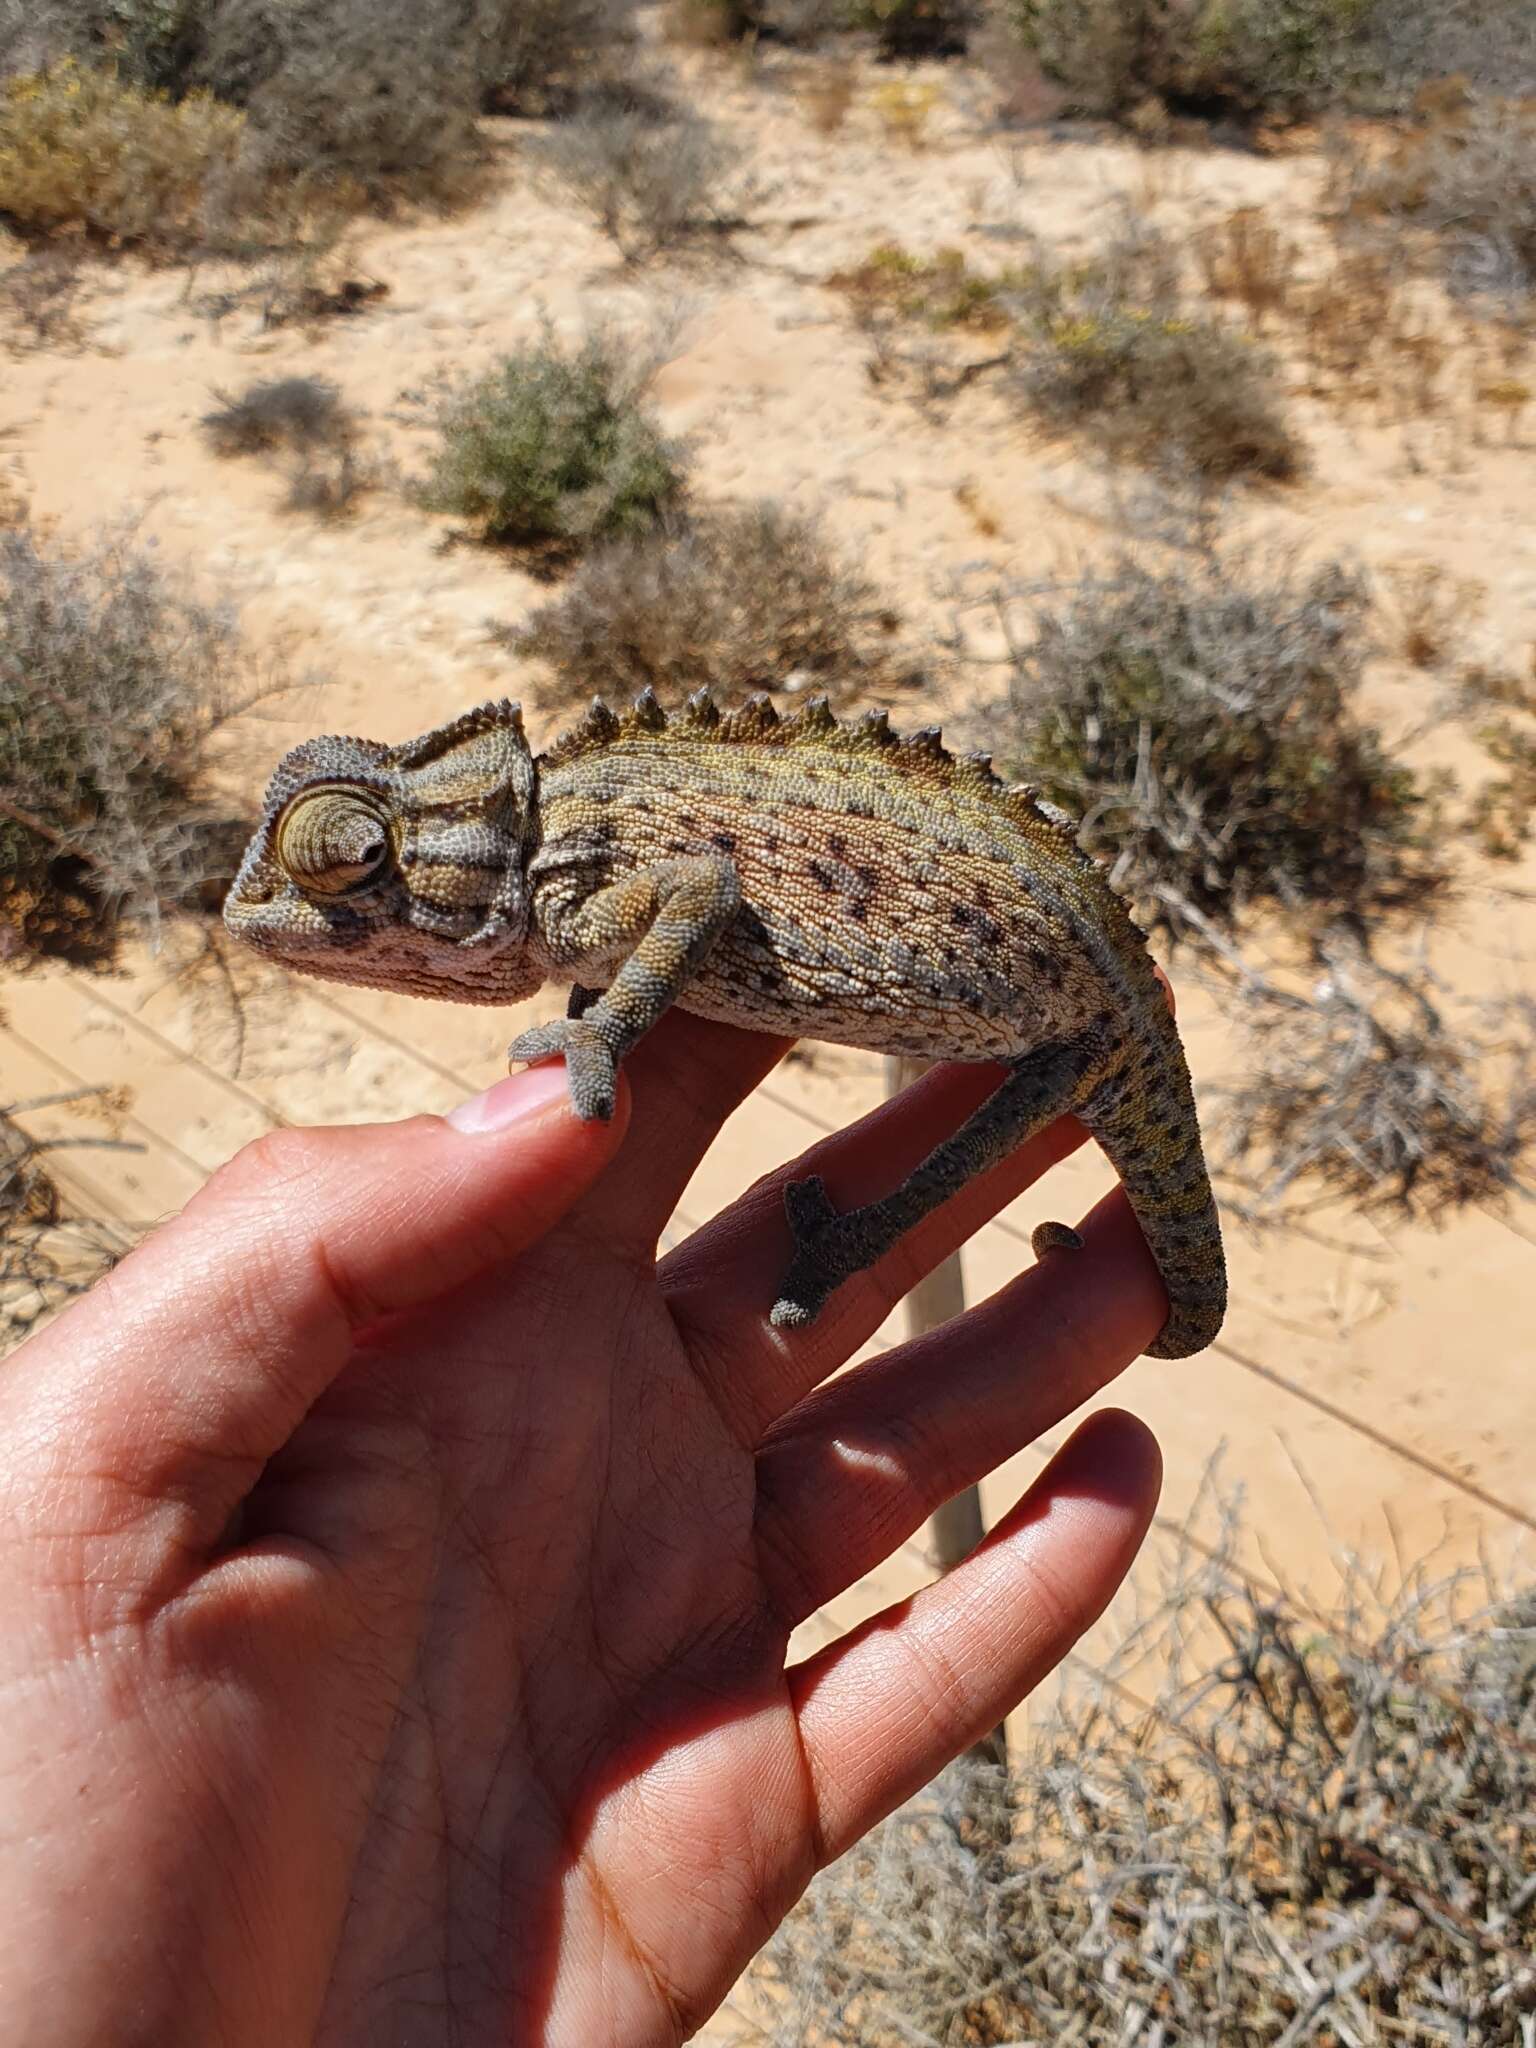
(331, 841)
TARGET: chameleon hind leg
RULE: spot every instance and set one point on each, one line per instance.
(830, 1245)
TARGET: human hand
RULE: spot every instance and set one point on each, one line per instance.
(398, 1565)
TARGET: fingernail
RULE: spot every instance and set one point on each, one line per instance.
(508, 1102)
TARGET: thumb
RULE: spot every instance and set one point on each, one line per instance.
(209, 1344)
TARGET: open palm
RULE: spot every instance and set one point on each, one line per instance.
(404, 1564)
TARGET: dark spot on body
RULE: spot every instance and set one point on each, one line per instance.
(859, 911)
(821, 874)
(838, 846)
(726, 841)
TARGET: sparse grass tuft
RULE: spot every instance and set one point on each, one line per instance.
(1203, 720)
(940, 290)
(1317, 1814)
(736, 601)
(114, 681)
(649, 178)
(554, 447)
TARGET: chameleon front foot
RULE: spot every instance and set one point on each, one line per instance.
(821, 1261)
(591, 1071)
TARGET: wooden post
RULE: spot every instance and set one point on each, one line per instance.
(957, 1527)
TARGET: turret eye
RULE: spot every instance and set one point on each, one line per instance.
(332, 840)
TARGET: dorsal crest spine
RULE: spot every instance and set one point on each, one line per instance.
(920, 755)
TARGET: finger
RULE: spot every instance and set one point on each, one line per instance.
(193, 1362)
(884, 1709)
(860, 1464)
(722, 1282)
(685, 1078)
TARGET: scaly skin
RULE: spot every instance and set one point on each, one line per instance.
(794, 875)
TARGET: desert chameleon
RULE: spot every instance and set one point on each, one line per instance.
(798, 875)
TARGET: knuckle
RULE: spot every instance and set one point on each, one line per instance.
(277, 1162)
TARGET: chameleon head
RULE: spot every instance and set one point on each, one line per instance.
(399, 867)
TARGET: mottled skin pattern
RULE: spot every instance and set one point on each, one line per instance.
(790, 875)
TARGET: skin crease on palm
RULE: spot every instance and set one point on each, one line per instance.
(400, 1563)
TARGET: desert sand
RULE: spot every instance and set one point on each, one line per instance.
(1372, 1387)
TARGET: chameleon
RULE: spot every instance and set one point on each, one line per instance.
(797, 874)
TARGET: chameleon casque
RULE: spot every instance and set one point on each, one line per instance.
(796, 875)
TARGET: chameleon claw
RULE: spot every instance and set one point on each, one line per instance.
(590, 1069)
(812, 1275)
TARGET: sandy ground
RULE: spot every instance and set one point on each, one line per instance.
(1370, 1391)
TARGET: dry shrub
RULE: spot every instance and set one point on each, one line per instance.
(1246, 258)
(1467, 175)
(1430, 609)
(904, 108)
(555, 448)
(1500, 709)
(827, 95)
(538, 56)
(48, 1254)
(736, 601)
(1376, 1091)
(1317, 1829)
(306, 425)
(37, 300)
(295, 413)
(82, 150)
(114, 682)
(802, 22)
(650, 178)
(376, 102)
(918, 28)
(1111, 348)
(1203, 720)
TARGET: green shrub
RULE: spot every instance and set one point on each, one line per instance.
(1240, 57)
(554, 446)
(1110, 347)
(755, 599)
(1159, 387)
(114, 680)
(1203, 720)
(82, 150)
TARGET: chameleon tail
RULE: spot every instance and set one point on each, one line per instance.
(1141, 1109)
